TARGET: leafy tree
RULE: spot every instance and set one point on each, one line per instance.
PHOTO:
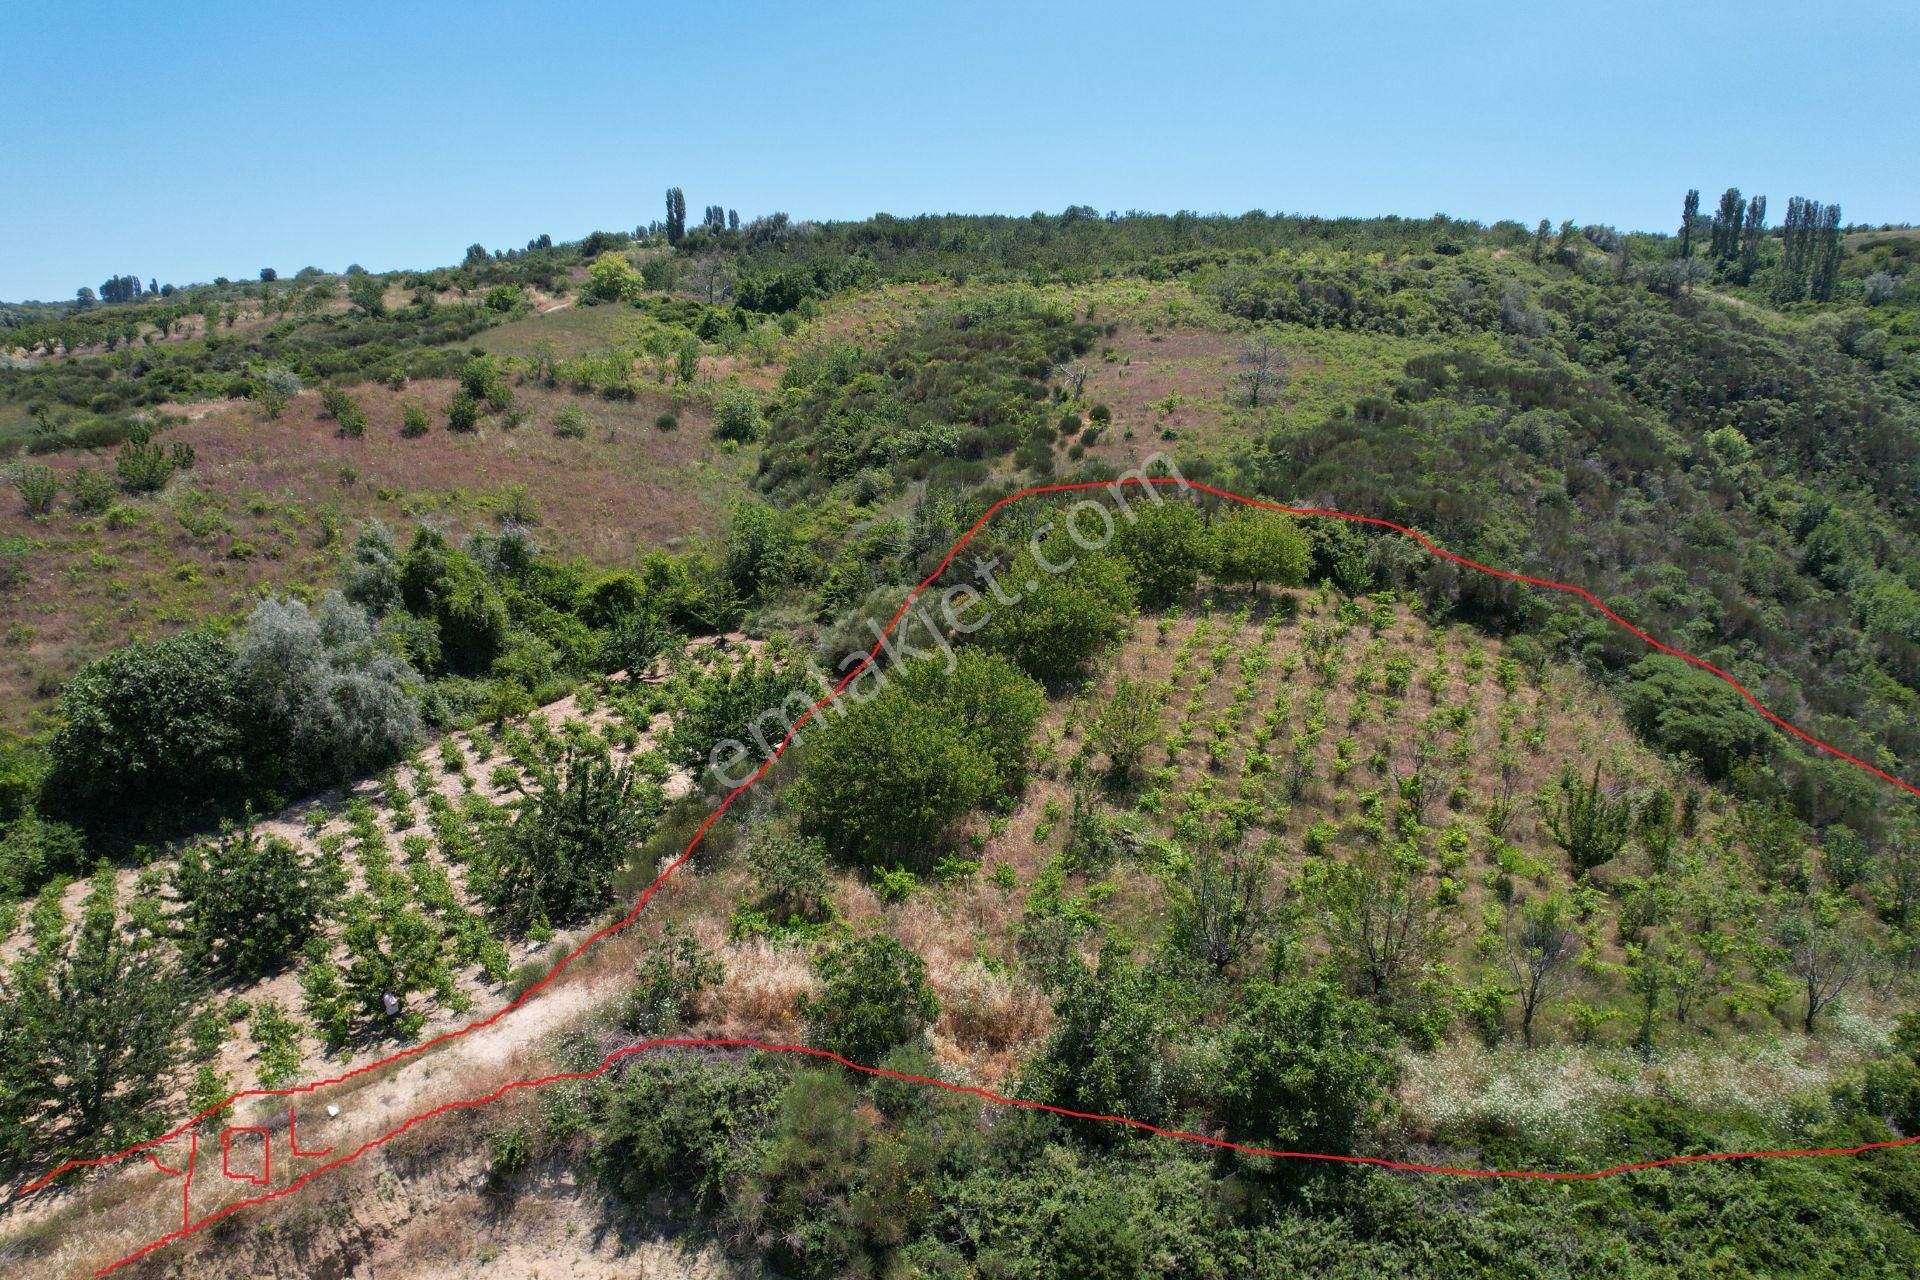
(1127, 725)
(32, 851)
(1377, 915)
(676, 215)
(1689, 211)
(611, 278)
(754, 702)
(444, 585)
(1220, 902)
(1061, 621)
(248, 901)
(1303, 1067)
(1683, 709)
(153, 737)
(333, 704)
(1590, 824)
(1541, 945)
(1259, 547)
(367, 294)
(1104, 1057)
(760, 547)
(92, 1020)
(887, 778)
(873, 997)
(575, 829)
(636, 639)
(1166, 545)
(686, 359)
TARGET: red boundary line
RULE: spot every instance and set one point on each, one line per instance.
(266, 1154)
(646, 896)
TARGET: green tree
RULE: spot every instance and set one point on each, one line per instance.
(1303, 1067)
(575, 829)
(248, 901)
(873, 997)
(1689, 212)
(368, 294)
(611, 278)
(1166, 545)
(153, 738)
(1127, 725)
(1104, 1056)
(1220, 901)
(1589, 823)
(1377, 916)
(1062, 620)
(885, 780)
(1260, 547)
(1683, 709)
(737, 416)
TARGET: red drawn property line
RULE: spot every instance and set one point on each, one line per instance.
(700, 834)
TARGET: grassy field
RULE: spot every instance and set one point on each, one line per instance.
(269, 504)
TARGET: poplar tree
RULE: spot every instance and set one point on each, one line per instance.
(1689, 211)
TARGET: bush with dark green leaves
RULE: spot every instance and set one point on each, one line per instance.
(575, 830)
(153, 738)
(883, 782)
(249, 901)
(1166, 545)
(1682, 709)
(1061, 619)
(873, 998)
(1110, 1026)
(1302, 1067)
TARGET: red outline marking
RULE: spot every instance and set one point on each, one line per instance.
(1112, 486)
(154, 1160)
(293, 1139)
(266, 1154)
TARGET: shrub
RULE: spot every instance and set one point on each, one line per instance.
(1104, 1056)
(142, 465)
(889, 776)
(1682, 709)
(248, 901)
(667, 422)
(1166, 545)
(671, 977)
(463, 415)
(1063, 619)
(345, 411)
(737, 416)
(1259, 547)
(90, 492)
(571, 423)
(1303, 1067)
(502, 298)
(874, 996)
(555, 864)
(38, 486)
(413, 421)
(153, 737)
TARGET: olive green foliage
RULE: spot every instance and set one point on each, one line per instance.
(737, 416)
(575, 830)
(248, 901)
(1691, 712)
(91, 1017)
(1061, 620)
(671, 977)
(1591, 824)
(873, 997)
(753, 703)
(1104, 1058)
(1254, 546)
(1303, 1067)
(33, 850)
(1166, 544)
(882, 782)
(154, 737)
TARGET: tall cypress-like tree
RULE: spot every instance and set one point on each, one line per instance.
(1726, 224)
(676, 215)
(1824, 259)
(1751, 235)
(1689, 211)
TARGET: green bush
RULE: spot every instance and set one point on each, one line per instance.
(554, 866)
(737, 416)
(873, 997)
(463, 414)
(1303, 1067)
(1166, 545)
(90, 492)
(248, 901)
(38, 486)
(413, 421)
(154, 737)
(345, 411)
(886, 779)
(1680, 708)
(1062, 620)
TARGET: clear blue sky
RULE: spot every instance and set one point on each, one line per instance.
(214, 138)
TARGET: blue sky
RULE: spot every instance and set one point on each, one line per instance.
(184, 142)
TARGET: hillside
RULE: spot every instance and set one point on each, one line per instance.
(375, 640)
